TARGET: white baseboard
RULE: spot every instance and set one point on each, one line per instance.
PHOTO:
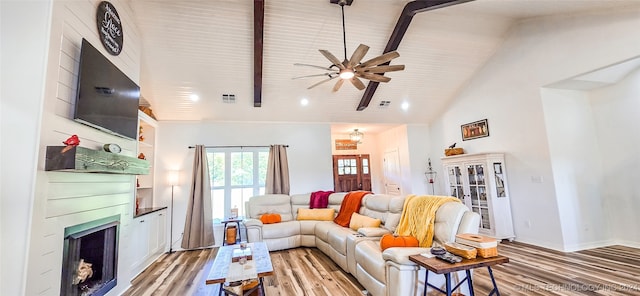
(578, 247)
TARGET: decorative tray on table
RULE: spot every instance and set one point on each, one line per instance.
(239, 253)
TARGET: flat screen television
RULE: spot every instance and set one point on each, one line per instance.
(106, 98)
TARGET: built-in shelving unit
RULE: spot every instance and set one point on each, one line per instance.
(149, 231)
(146, 149)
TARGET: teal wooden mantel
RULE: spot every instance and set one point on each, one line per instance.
(84, 160)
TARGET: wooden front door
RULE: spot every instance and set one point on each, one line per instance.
(351, 172)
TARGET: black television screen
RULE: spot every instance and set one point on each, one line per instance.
(106, 98)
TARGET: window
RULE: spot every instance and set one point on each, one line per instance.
(236, 175)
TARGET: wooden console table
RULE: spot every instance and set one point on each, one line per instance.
(442, 267)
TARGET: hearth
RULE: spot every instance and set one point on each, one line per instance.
(90, 259)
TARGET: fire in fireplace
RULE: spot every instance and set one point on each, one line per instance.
(90, 259)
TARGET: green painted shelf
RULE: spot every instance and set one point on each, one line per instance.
(84, 160)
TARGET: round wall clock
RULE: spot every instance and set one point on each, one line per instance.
(110, 28)
(112, 147)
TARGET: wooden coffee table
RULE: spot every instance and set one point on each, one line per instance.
(219, 273)
(442, 267)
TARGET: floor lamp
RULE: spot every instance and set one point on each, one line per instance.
(172, 178)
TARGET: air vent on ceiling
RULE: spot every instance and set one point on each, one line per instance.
(229, 98)
(384, 104)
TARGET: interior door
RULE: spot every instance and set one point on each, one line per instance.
(351, 173)
(392, 174)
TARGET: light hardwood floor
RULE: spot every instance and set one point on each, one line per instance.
(532, 270)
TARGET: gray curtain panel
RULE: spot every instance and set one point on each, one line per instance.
(277, 170)
(198, 227)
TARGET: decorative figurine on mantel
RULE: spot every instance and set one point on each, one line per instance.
(452, 150)
(70, 142)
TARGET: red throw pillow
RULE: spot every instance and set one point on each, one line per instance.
(270, 218)
(389, 240)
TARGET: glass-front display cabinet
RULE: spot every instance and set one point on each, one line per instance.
(479, 181)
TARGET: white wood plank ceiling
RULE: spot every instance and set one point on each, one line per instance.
(206, 48)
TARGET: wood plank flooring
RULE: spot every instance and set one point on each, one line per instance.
(532, 270)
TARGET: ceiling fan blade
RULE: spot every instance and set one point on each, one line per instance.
(314, 66)
(320, 82)
(357, 55)
(316, 75)
(381, 69)
(331, 58)
(357, 83)
(380, 59)
(338, 85)
(373, 77)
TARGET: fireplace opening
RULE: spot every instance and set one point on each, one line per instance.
(90, 259)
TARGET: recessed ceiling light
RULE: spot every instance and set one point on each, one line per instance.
(405, 106)
(304, 102)
(194, 97)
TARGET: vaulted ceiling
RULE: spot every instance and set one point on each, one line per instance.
(206, 48)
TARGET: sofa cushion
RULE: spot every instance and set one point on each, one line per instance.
(270, 203)
(387, 208)
(299, 201)
(335, 200)
(281, 230)
(323, 228)
(358, 221)
(316, 214)
(308, 227)
(337, 239)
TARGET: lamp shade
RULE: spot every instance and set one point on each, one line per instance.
(173, 178)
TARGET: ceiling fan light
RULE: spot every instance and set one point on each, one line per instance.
(347, 74)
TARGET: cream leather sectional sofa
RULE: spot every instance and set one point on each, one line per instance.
(382, 273)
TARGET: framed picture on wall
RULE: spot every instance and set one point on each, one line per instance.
(474, 130)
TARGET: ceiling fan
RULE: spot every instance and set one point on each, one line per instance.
(353, 69)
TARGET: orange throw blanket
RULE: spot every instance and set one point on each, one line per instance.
(350, 204)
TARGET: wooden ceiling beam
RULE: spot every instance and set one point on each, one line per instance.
(412, 8)
(258, 35)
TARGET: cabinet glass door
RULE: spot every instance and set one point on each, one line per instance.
(455, 182)
(478, 193)
(499, 175)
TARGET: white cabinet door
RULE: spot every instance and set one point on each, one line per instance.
(477, 193)
(139, 243)
(455, 185)
(162, 231)
(153, 233)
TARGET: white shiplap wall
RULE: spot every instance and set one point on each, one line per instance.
(65, 199)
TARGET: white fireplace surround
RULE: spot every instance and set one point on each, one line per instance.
(72, 199)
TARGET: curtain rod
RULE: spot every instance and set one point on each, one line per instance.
(191, 147)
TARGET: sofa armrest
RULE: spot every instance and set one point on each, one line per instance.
(254, 230)
(373, 231)
(400, 255)
(470, 223)
(252, 223)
